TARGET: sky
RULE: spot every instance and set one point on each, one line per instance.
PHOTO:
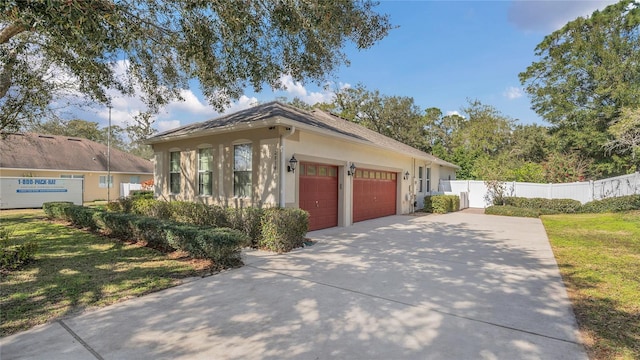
(442, 54)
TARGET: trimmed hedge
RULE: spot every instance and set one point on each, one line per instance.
(564, 206)
(141, 194)
(248, 220)
(615, 204)
(14, 255)
(283, 229)
(222, 245)
(509, 210)
(441, 204)
(57, 209)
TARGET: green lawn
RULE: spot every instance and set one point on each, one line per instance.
(599, 258)
(74, 270)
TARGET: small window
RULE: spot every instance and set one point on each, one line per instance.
(365, 174)
(205, 171)
(378, 175)
(393, 176)
(322, 171)
(358, 173)
(302, 169)
(332, 172)
(103, 181)
(134, 179)
(311, 170)
(420, 179)
(242, 174)
(428, 179)
(174, 172)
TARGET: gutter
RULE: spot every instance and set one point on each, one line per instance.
(283, 161)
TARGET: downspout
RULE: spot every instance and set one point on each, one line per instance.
(283, 164)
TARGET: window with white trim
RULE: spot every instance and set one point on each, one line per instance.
(242, 161)
(174, 172)
(428, 189)
(134, 179)
(205, 171)
(103, 181)
(420, 179)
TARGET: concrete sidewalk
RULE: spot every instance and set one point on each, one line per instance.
(456, 286)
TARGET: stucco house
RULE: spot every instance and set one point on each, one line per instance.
(37, 155)
(278, 155)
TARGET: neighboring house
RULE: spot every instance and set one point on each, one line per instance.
(34, 155)
(344, 173)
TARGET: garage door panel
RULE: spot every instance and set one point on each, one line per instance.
(374, 194)
(319, 194)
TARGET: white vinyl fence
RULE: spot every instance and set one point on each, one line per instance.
(582, 191)
(126, 188)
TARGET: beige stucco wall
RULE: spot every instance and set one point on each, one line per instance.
(264, 167)
(271, 150)
(92, 190)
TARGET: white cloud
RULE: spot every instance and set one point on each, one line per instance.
(167, 125)
(297, 89)
(546, 16)
(513, 92)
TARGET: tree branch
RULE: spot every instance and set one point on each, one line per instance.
(10, 31)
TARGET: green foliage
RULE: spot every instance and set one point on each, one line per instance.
(14, 254)
(141, 194)
(246, 220)
(397, 117)
(441, 204)
(508, 210)
(221, 245)
(152, 208)
(564, 206)
(283, 229)
(225, 45)
(614, 204)
(586, 74)
(57, 209)
(566, 167)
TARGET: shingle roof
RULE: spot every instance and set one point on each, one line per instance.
(318, 119)
(51, 152)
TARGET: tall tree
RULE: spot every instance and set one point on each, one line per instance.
(586, 73)
(54, 50)
(397, 117)
(626, 134)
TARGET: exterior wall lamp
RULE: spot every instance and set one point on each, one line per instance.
(406, 175)
(352, 170)
(293, 163)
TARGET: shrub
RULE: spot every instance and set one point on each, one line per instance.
(12, 254)
(509, 210)
(222, 245)
(57, 209)
(152, 208)
(614, 204)
(118, 225)
(283, 229)
(565, 206)
(141, 194)
(81, 216)
(441, 204)
(248, 221)
(198, 214)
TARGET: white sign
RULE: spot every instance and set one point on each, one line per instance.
(31, 192)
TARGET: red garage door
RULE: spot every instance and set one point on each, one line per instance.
(319, 194)
(374, 194)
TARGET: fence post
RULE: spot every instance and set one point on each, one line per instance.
(592, 190)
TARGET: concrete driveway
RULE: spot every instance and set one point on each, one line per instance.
(456, 286)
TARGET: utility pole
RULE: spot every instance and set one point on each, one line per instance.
(109, 157)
